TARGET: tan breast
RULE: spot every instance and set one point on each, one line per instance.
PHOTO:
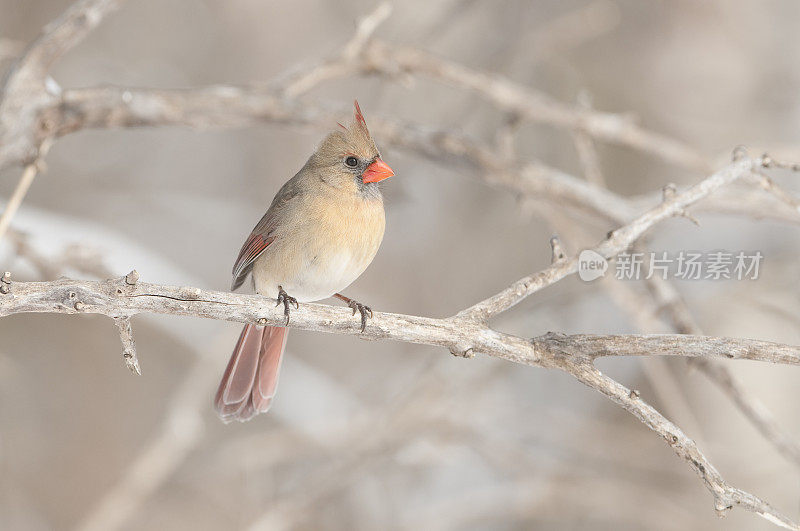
(324, 241)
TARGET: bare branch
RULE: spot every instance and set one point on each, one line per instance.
(725, 496)
(343, 64)
(75, 257)
(25, 181)
(617, 241)
(771, 187)
(600, 346)
(584, 145)
(128, 345)
(27, 91)
(385, 59)
(120, 300)
(58, 37)
(667, 297)
(365, 29)
(573, 354)
(751, 407)
(231, 106)
(214, 106)
(117, 298)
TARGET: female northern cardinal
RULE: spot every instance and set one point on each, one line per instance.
(320, 233)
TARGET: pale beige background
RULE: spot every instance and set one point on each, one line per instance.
(370, 435)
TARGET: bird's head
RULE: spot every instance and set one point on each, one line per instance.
(350, 156)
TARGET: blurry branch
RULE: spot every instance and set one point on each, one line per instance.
(73, 257)
(575, 27)
(532, 105)
(57, 38)
(180, 432)
(725, 496)
(587, 153)
(229, 106)
(668, 299)
(639, 306)
(383, 430)
(375, 57)
(572, 354)
(347, 62)
(27, 91)
(9, 49)
(25, 181)
(751, 407)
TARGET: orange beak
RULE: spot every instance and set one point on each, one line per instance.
(376, 172)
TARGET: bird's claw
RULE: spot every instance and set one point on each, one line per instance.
(287, 301)
(364, 310)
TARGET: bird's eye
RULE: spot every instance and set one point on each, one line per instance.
(351, 161)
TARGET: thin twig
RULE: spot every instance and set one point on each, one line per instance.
(584, 145)
(762, 419)
(725, 496)
(23, 185)
(618, 241)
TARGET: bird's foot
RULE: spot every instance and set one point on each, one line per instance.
(287, 301)
(363, 309)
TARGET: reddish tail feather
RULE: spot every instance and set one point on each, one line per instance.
(249, 382)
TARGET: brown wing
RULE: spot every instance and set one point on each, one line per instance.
(252, 249)
(262, 235)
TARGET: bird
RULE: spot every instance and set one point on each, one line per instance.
(320, 233)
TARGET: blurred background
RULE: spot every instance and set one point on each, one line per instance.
(384, 435)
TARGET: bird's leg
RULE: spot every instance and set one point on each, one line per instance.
(287, 300)
(363, 309)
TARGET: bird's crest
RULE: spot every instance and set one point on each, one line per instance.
(357, 133)
(358, 129)
(353, 138)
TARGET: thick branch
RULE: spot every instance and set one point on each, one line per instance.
(600, 346)
(117, 298)
(121, 299)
